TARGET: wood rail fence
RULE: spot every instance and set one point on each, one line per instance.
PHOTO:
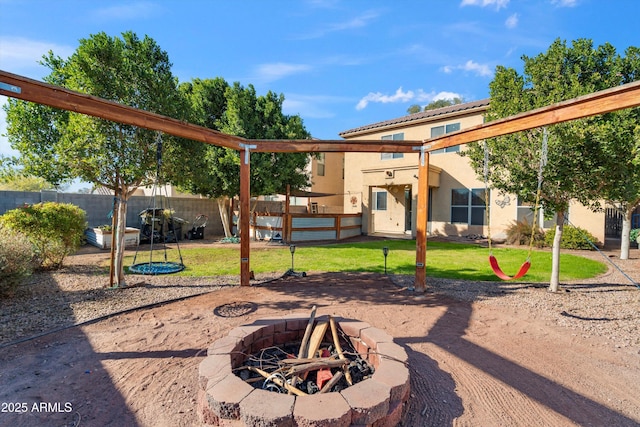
(301, 227)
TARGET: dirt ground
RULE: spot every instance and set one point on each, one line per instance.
(472, 362)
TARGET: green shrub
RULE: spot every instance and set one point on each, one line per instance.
(519, 233)
(54, 229)
(16, 260)
(572, 238)
(634, 235)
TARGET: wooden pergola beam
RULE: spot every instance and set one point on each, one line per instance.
(618, 98)
(15, 86)
(335, 146)
(605, 101)
(55, 96)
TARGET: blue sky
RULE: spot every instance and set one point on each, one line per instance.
(340, 64)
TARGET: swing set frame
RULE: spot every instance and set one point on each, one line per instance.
(613, 99)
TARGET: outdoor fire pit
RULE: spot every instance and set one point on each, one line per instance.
(369, 388)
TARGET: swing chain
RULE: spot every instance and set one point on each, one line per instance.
(543, 162)
(487, 209)
(544, 150)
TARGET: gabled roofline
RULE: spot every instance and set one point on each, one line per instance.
(421, 117)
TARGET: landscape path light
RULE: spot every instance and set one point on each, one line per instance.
(385, 252)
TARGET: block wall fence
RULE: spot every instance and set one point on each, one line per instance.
(98, 207)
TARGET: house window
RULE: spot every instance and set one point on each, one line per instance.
(468, 206)
(441, 130)
(320, 164)
(379, 200)
(525, 213)
(394, 137)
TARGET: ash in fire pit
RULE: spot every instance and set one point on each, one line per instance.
(310, 364)
(316, 365)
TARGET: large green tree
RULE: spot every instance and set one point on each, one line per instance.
(237, 110)
(618, 137)
(576, 153)
(615, 140)
(12, 179)
(60, 145)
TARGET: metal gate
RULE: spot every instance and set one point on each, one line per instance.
(612, 223)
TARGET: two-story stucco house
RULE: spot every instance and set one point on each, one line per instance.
(383, 186)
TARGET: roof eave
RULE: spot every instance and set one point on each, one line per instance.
(364, 130)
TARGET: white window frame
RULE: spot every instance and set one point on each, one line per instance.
(320, 164)
(393, 137)
(443, 130)
(472, 209)
(375, 202)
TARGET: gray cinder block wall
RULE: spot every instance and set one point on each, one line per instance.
(98, 206)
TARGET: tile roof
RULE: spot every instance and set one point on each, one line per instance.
(421, 116)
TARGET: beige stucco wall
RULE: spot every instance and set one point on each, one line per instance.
(332, 182)
(366, 172)
(363, 171)
(583, 217)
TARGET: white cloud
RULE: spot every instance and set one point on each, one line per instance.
(323, 4)
(512, 21)
(401, 96)
(565, 3)
(445, 95)
(358, 22)
(279, 70)
(499, 4)
(127, 11)
(311, 106)
(478, 69)
(18, 54)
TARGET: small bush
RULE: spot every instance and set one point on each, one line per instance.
(106, 228)
(54, 229)
(16, 260)
(634, 236)
(572, 238)
(519, 233)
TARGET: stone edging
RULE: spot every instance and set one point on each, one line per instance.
(225, 400)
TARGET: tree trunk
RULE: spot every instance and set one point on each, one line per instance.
(114, 227)
(224, 215)
(626, 229)
(554, 282)
(120, 235)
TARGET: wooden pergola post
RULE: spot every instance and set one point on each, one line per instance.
(613, 99)
(285, 216)
(420, 284)
(245, 192)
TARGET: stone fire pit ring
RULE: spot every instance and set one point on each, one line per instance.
(224, 399)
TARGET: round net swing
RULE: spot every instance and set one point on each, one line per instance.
(156, 267)
(158, 226)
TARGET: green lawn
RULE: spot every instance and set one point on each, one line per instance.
(447, 260)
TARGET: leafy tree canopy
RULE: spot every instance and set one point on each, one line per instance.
(59, 145)
(238, 110)
(561, 73)
(587, 160)
(25, 183)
